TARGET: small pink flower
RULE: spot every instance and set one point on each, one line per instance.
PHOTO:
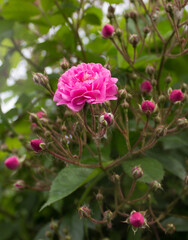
(107, 31)
(146, 86)
(147, 107)
(40, 114)
(12, 163)
(136, 219)
(91, 83)
(37, 145)
(176, 95)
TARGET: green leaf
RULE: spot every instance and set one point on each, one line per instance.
(6, 30)
(19, 10)
(171, 162)
(153, 170)
(47, 4)
(181, 224)
(68, 180)
(93, 16)
(113, 1)
(142, 61)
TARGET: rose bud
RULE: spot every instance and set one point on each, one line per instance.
(84, 211)
(150, 70)
(134, 40)
(106, 119)
(136, 219)
(41, 114)
(19, 184)
(12, 163)
(37, 145)
(176, 95)
(147, 107)
(64, 64)
(156, 185)
(107, 31)
(137, 172)
(146, 86)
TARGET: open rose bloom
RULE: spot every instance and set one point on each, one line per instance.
(91, 83)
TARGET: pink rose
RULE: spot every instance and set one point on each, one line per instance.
(147, 107)
(37, 145)
(91, 83)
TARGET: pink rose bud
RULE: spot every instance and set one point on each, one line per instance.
(41, 114)
(146, 86)
(84, 211)
(176, 96)
(107, 31)
(137, 172)
(106, 119)
(147, 107)
(19, 184)
(12, 163)
(136, 219)
(37, 145)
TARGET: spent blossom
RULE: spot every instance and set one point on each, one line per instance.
(85, 83)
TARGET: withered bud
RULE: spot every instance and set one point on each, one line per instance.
(125, 104)
(108, 66)
(186, 180)
(146, 30)
(168, 79)
(150, 70)
(184, 87)
(40, 79)
(170, 228)
(122, 94)
(65, 64)
(84, 212)
(126, 15)
(134, 40)
(47, 134)
(4, 148)
(115, 178)
(154, 82)
(156, 185)
(108, 215)
(99, 197)
(118, 32)
(133, 16)
(48, 234)
(33, 117)
(160, 131)
(157, 119)
(110, 15)
(169, 9)
(111, 9)
(162, 98)
(54, 225)
(182, 122)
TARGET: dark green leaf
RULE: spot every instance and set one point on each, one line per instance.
(153, 170)
(93, 16)
(68, 180)
(19, 10)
